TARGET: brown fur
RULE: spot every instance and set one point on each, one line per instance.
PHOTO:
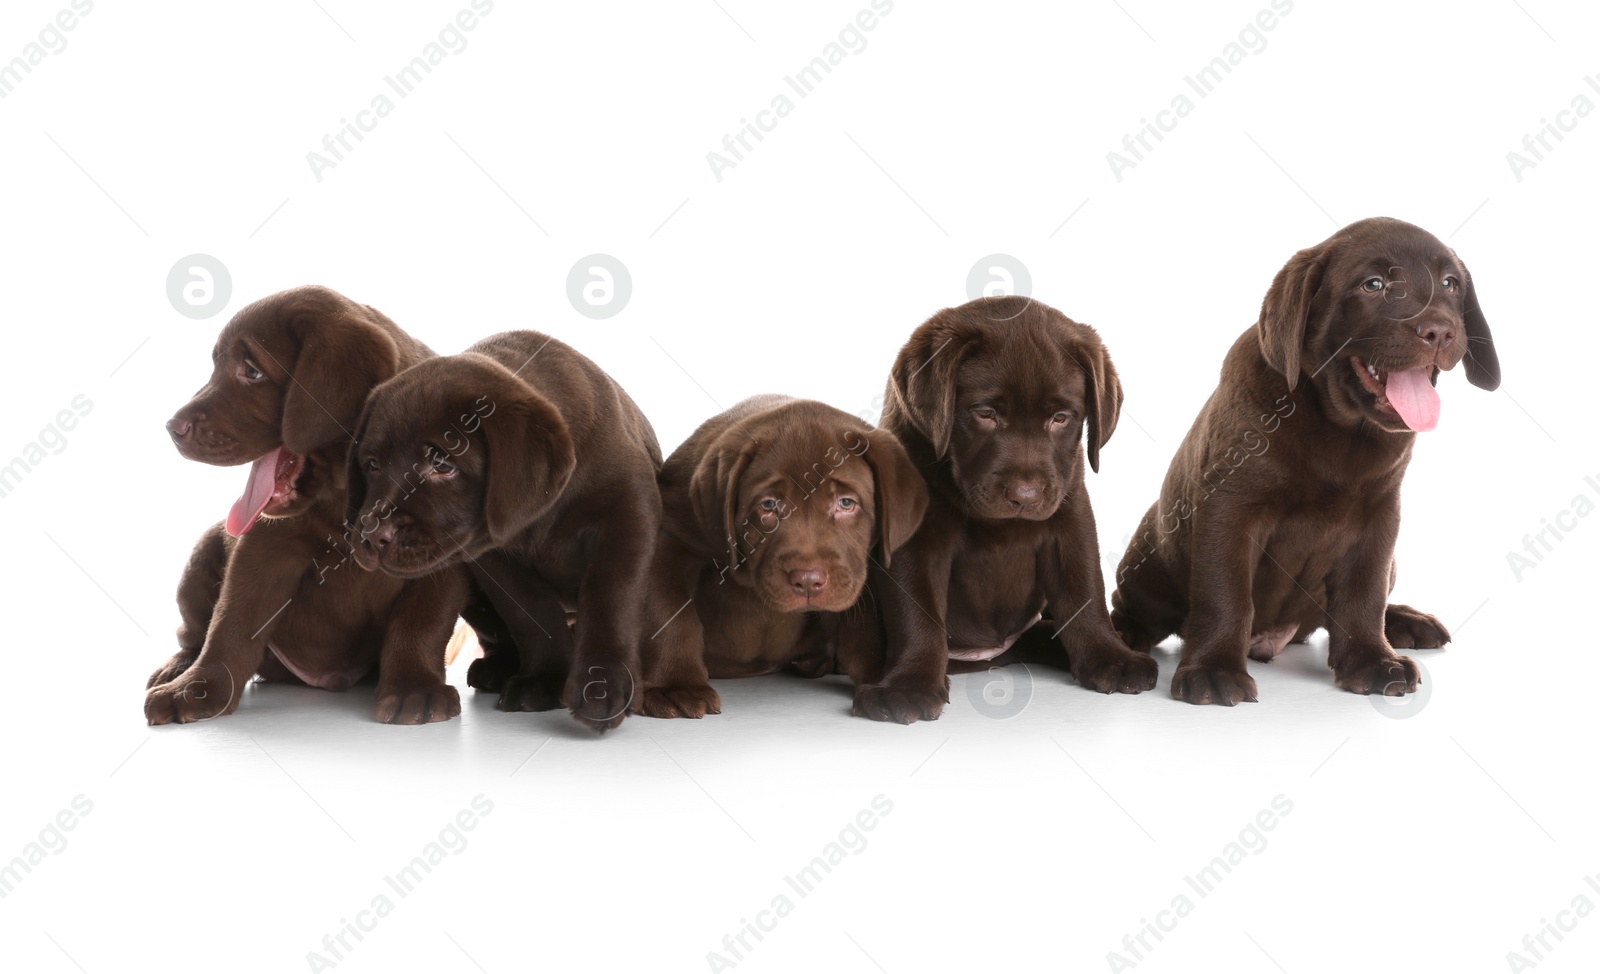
(523, 460)
(997, 403)
(761, 580)
(293, 369)
(1280, 510)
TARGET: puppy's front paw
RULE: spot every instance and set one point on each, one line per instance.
(1391, 675)
(424, 703)
(901, 703)
(1202, 684)
(1408, 628)
(600, 696)
(491, 671)
(1115, 670)
(173, 668)
(195, 695)
(533, 693)
(679, 701)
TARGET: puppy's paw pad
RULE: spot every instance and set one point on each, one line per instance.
(1198, 685)
(900, 704)
(1392, 676)
(1119, 672)
(196, 695)
(680, 701)
(1407, 628)
(424, 704)
(534, 694)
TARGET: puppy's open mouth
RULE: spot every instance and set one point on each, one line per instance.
(1410, 394)
(270, 489)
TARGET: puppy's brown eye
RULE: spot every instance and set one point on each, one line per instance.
(1372, 284)
(984, 413)
(250, 372)
(847, 503)
(1061, 418)
(441, 465)
(372, 465)
(769, 505)
(1449, 282)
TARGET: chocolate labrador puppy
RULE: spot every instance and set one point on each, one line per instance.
(523, 460)
(1280, 511)
(770, 512)
(997, 402)
(264, 591)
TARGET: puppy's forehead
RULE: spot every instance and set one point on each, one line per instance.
(423, 401)
(1026, 366)
(1391, 243)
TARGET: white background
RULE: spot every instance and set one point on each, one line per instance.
(1433, 843)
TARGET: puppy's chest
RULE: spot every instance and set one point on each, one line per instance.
(995, 595)
(742, 636)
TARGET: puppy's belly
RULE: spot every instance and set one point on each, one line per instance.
(337, 678)
(976, 654)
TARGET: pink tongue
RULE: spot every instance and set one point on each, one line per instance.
(1414, 398)
(257, 492)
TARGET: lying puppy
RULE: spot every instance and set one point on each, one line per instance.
(770, 512)
(525, 461)
(1279, 513)
(264, 590)
(996, 402)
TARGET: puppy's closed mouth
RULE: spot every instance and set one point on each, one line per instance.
(1408, 394)
(270, 489)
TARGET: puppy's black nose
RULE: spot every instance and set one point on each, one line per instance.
(1437, 333)
(1023, 493)
(178, 428)
(808, 581)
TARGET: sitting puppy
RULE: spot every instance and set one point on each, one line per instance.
(265, 591)
(770, 512)
(1279, 513)
(996, 402)
(523, 460)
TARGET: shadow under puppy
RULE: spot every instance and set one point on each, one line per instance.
(523, 460)
(998, 402)
(266, 590)
(770, 514)
(1279, 513)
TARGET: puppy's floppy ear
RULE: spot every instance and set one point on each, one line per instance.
(1286, 310)
(714, 488)
(530, 455)
(343, 352)
(899, 493)
(922, 384)
(1104, 389)
(1483, 362)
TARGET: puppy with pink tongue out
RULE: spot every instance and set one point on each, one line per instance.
(271, 591)
(1279, 513)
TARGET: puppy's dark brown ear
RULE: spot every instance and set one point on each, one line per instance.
(1483, 362)
(1104, 389)
(899, 493)
(343, 353)
(714, 490)
(530, 454)
(1286, 310)
(922, 384)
